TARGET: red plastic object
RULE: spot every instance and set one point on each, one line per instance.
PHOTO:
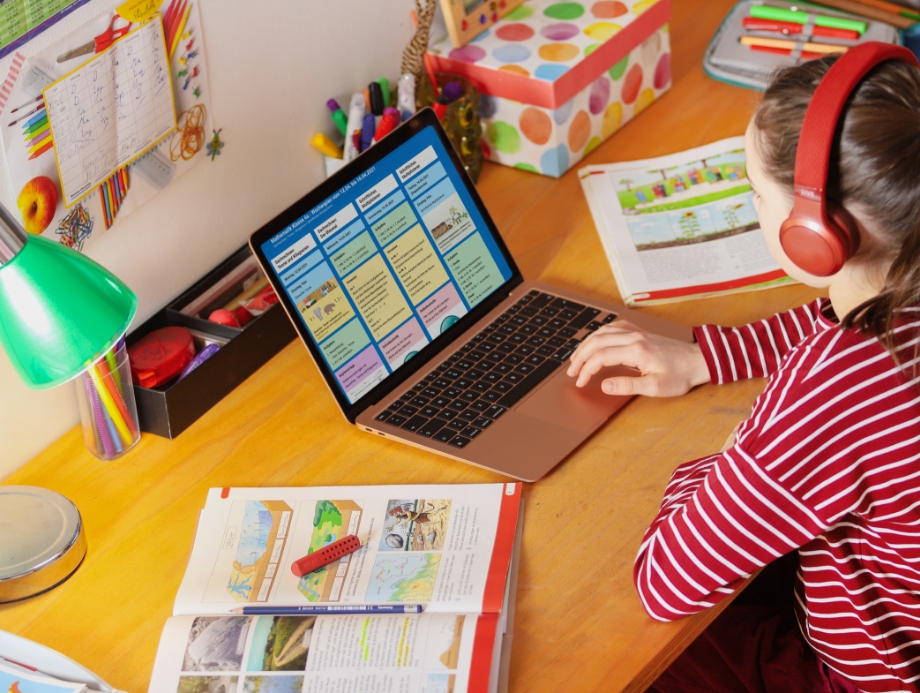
(222, 316)
(160, 355)
(326, 555)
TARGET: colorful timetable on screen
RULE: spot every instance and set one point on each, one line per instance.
(386, 264)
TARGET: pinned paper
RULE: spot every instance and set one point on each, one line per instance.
(138, 11)
(111, 110)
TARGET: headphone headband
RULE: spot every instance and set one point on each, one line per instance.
(813, 155)
(816, 238)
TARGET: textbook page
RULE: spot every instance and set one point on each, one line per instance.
(681, 226)
(447, 548)
(430, 653)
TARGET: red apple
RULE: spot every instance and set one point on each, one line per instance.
(37, 203)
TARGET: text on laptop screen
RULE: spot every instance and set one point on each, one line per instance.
(389, 262)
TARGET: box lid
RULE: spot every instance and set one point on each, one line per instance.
(545, 52)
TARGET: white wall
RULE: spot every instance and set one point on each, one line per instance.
(272, 65)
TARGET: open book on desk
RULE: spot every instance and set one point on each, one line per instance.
(681, 226)
(450, 549)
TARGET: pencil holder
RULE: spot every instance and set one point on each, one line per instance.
(107, 409)
(460, 121)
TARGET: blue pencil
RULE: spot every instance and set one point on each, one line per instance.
(329, 610)
(34, 119)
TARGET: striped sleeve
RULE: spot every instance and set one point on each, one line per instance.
(755, 350)
(726, 516)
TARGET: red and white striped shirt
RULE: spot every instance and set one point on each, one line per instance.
(828, 463)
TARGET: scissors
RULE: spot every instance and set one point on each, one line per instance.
(98, 44)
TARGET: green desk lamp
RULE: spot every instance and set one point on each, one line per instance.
(59, 313)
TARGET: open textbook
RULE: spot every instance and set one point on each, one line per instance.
(681, 226)
(450, 549)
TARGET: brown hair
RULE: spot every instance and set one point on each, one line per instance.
(874, 168)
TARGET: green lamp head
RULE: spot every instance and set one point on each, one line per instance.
(59, 310)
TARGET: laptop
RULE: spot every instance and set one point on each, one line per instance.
(424, 329)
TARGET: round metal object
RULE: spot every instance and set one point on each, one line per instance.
(42, 541)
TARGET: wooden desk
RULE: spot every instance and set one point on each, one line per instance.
(579, 624)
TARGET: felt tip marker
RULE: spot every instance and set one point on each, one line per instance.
(799, 17)
(356, 111)
(375, 92)
(405, 99)
(329, 610)
(368, 126)
(327, 146)
(338, 116)
(389, 121)
(384, 90)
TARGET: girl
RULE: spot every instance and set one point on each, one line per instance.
(828, 464)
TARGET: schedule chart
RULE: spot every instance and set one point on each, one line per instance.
(386, 264)
(112, 109)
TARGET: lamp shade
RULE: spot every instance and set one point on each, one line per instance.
(59, 311)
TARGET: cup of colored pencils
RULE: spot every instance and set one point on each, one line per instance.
(107, 408)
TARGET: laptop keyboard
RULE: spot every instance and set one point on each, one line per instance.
(470, 390)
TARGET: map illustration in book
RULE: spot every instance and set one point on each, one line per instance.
(450, 550)
(332, 520)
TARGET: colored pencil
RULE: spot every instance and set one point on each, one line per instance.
(173, 23)
(105, 373)
(805, 55)
(170, 22)
(38, 136)
(33, 128)
(100, 428)
(331, 610)
(792, 45)
(42, 150)
(891, 7)
(168, 13)
(862, 10)
(178, 34)
(105, 216)
(108, 402)
(34, 148)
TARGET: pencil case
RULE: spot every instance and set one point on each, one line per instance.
(728, 60)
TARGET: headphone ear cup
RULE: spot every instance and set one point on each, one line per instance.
(816, 248)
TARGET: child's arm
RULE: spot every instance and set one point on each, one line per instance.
(755, 350)
(670, 367)
(722, 519)
(833, 433)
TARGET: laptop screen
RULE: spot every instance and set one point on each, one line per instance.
(387, 262)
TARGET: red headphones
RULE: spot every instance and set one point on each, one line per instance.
(820, 236)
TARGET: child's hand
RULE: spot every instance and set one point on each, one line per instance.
(667, 367)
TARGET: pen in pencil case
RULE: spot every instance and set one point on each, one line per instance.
(800, 17)
(804, 55)
(328, 610)
(808, 47)
(791, 28)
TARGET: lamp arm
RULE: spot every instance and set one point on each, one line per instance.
(12, 235)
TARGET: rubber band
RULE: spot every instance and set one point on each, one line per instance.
(189, 138)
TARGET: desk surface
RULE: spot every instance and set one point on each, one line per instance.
(579, 625)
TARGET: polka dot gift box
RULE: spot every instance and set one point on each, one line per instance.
(558, 78)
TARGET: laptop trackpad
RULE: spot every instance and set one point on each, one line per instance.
(579, 409)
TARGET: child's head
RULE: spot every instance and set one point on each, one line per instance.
(874, 173)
